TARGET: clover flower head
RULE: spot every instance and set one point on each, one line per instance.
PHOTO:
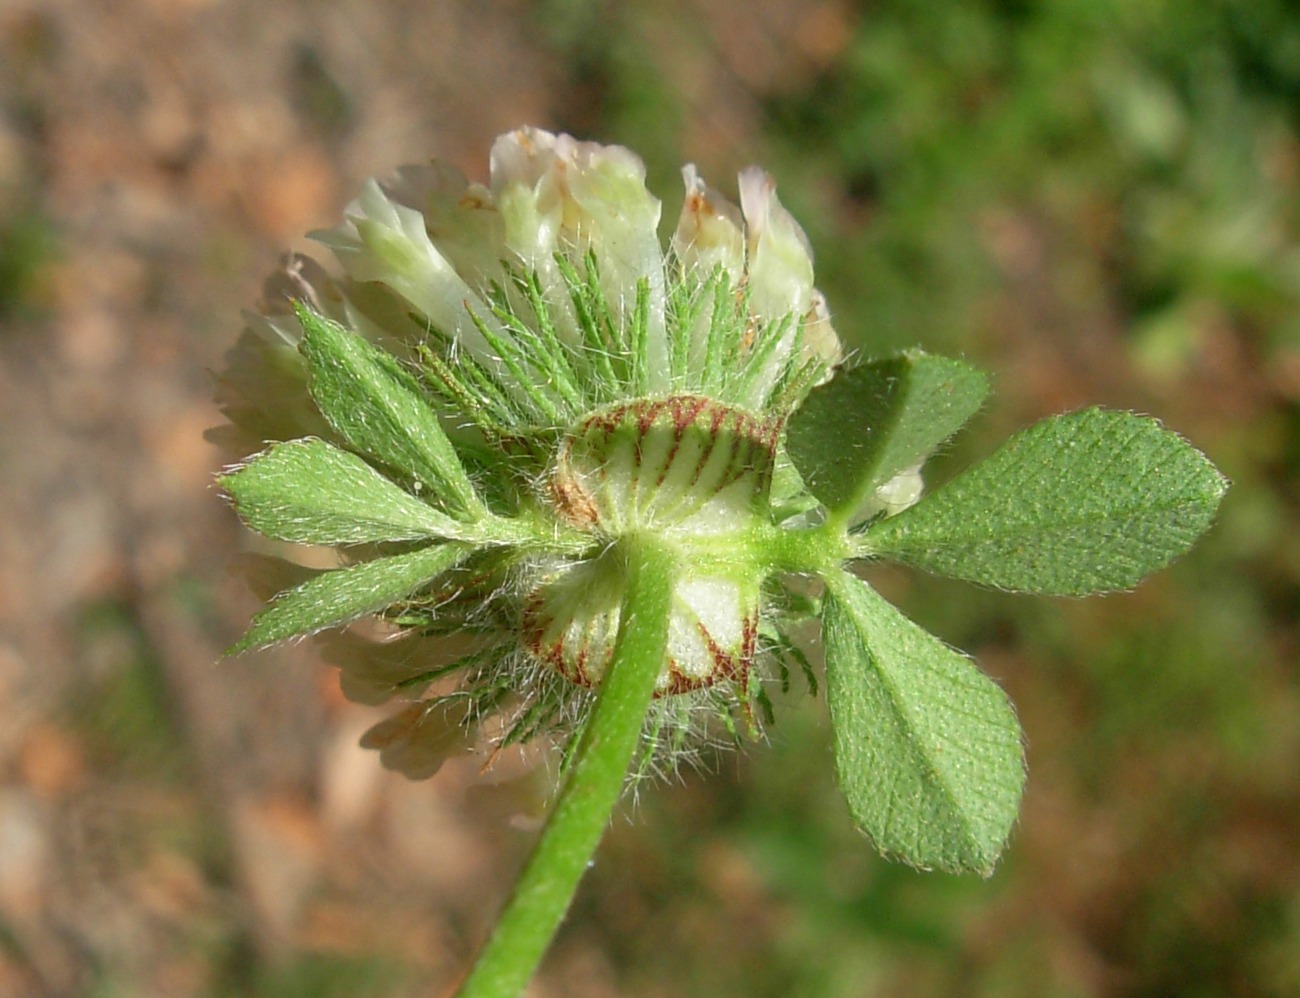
(529, 374)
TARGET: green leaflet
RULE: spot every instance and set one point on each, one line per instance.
(311, 492)
(927, 748)
(343, 595)
(377, 407)
(1087, 502)
(869, 423)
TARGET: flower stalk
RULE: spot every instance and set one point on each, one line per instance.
(594, 782)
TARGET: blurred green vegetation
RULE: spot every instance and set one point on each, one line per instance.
(1099, 201)
(27, 245)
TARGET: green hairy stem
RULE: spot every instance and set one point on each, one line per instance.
(599, 766)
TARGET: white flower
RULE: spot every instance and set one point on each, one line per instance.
(430, 252)
(710, 231)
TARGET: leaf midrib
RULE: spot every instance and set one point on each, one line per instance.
(909, 722)
(893, 527)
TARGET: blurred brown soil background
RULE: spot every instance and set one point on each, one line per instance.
(175, 824)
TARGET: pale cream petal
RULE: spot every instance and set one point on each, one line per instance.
(373, 672)
(710, 231)
(417, 741)
(780, 272)
(558, 194)
(820, 340)
(780, 264)
(460, 218)
(531, 215)
(387, 242)
(900, 492)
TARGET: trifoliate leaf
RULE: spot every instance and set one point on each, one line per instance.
(869, 423)
(927, 748)
(311, 492)
(1082, 503)
(376, 406)
(346, 594)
